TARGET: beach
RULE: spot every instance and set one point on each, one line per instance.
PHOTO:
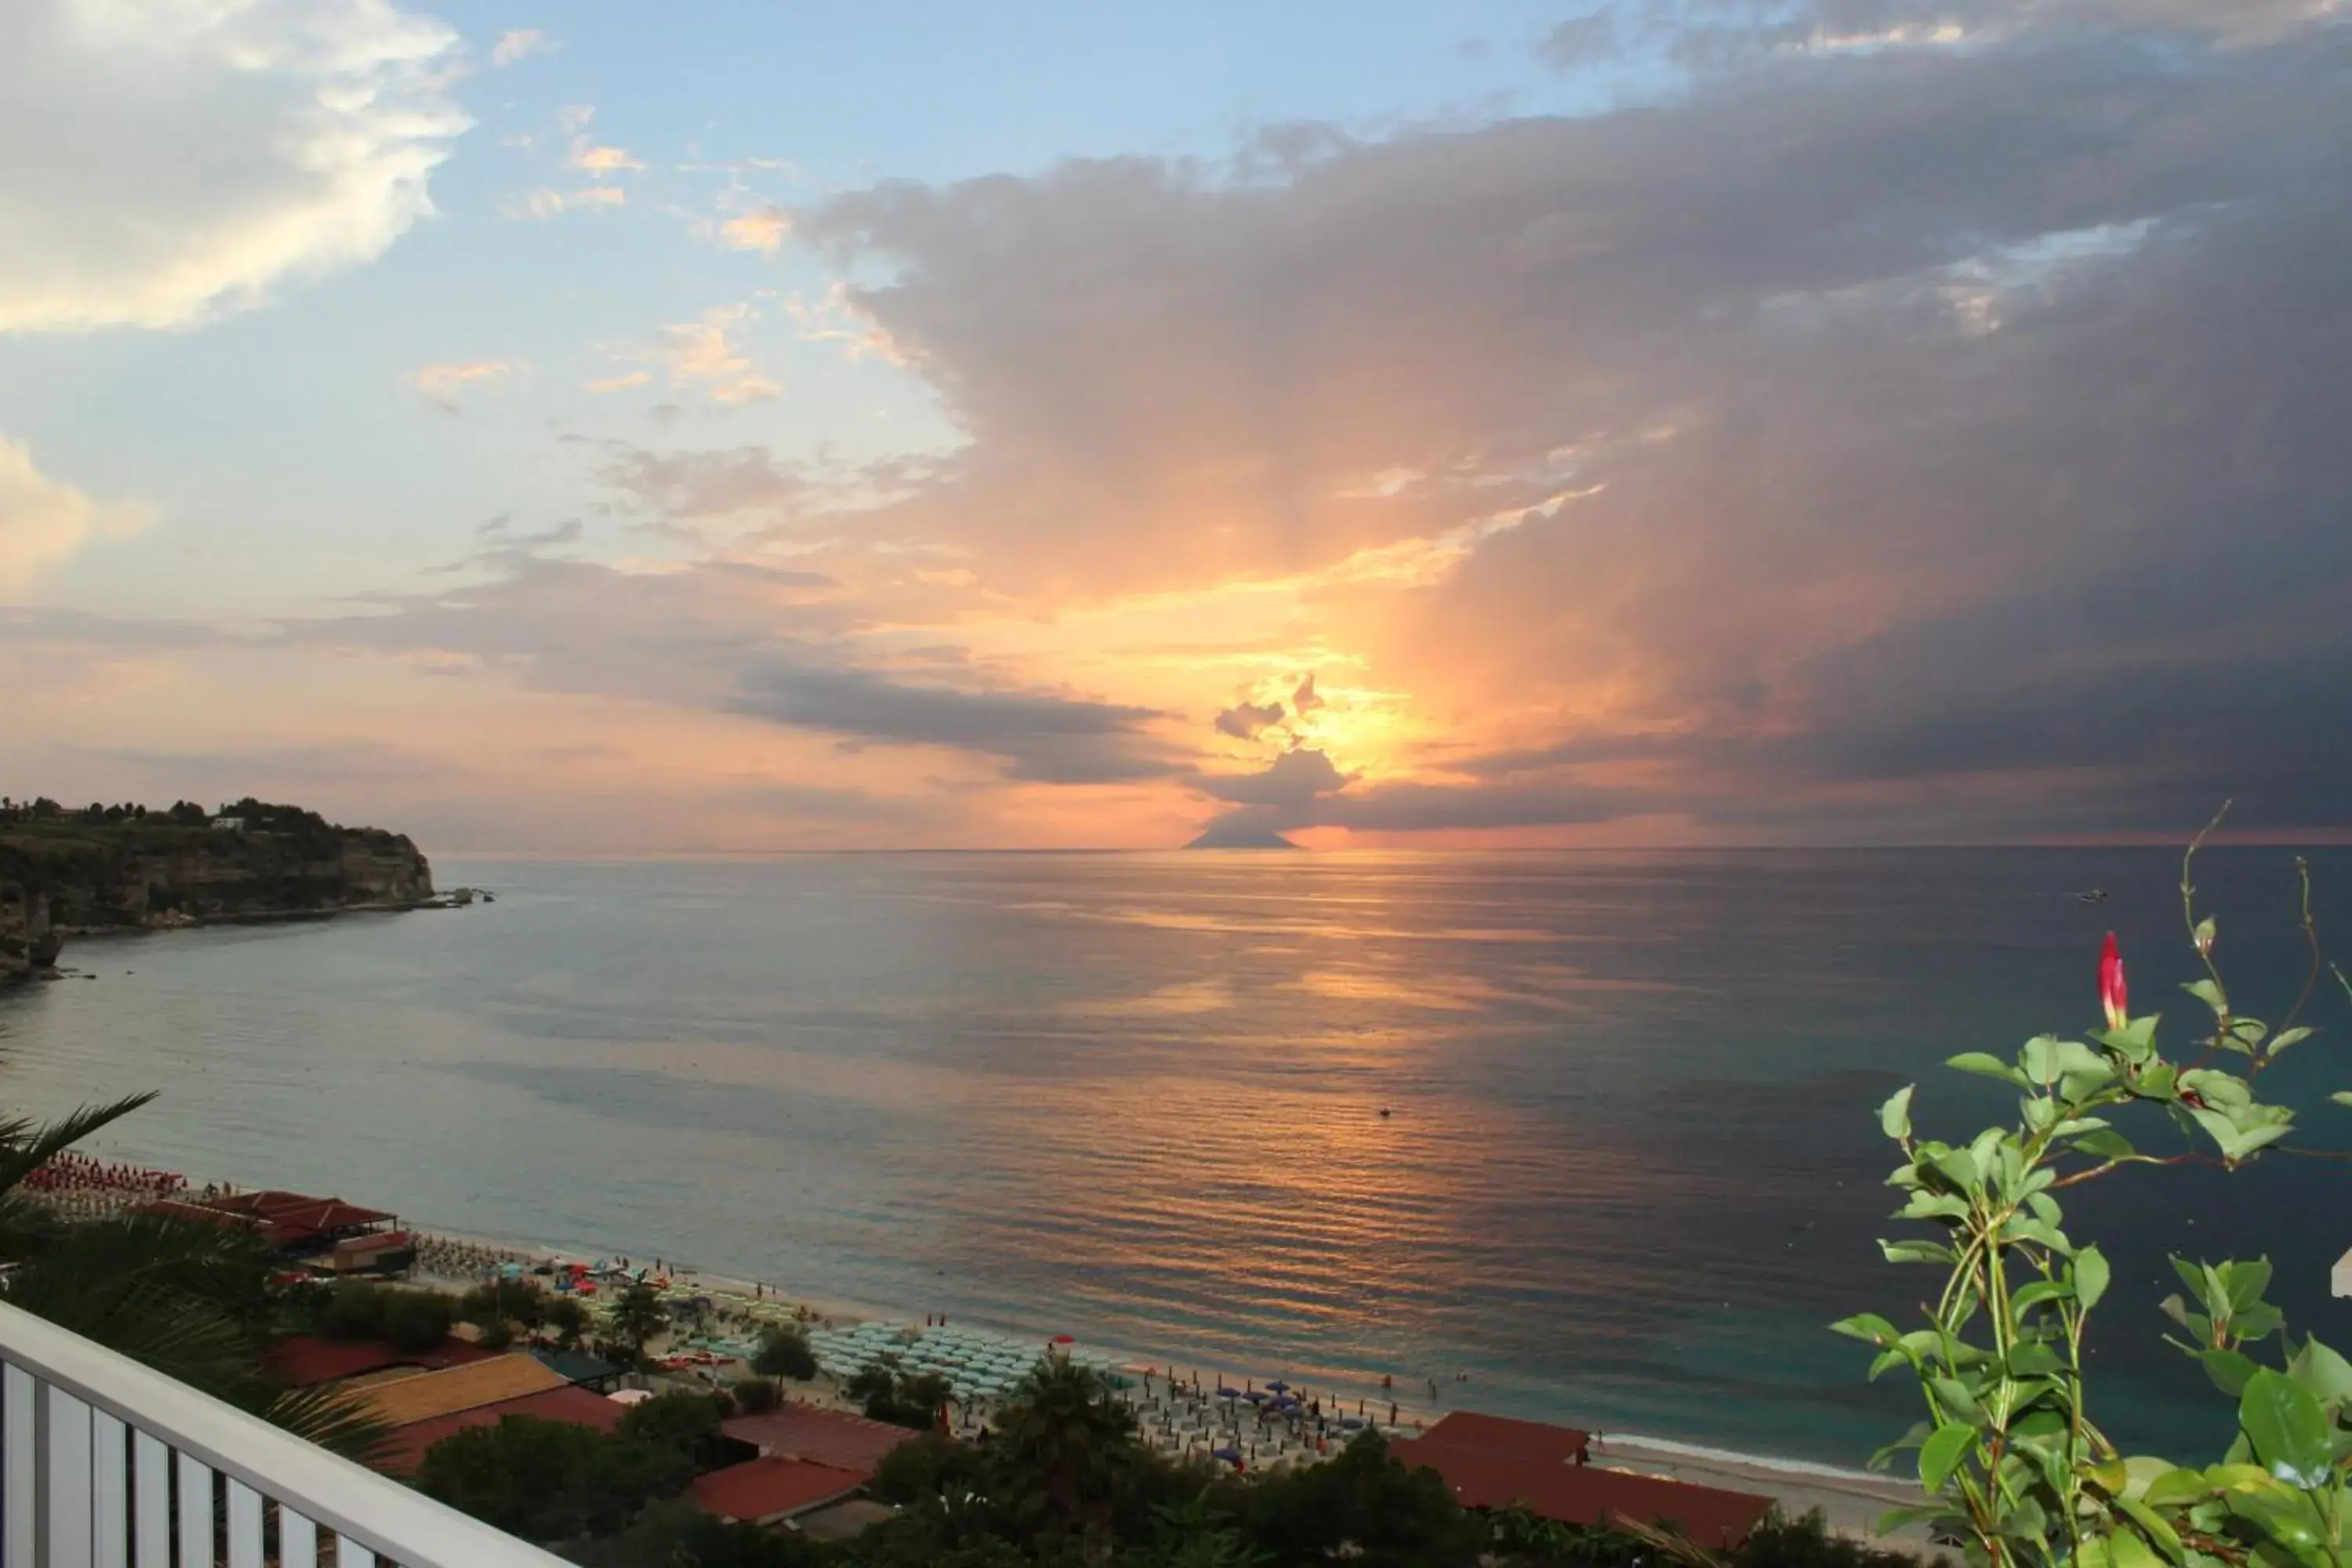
(1850, 1500)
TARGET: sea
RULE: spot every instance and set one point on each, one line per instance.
(1588, 1137)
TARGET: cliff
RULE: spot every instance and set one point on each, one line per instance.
(68, 873)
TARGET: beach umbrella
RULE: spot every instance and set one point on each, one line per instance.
(1225, 1393)
(1229, 1455)
(1280, 1387)
(1257, 1396)
(1351, 1423)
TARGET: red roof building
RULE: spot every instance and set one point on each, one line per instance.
(305, 1361)
(1487, 1461)
(798, 1431)
(766, 1489)
(573, 1406)
(289, 1221)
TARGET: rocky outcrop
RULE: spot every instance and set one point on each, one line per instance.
(28, 941)
(68, 877)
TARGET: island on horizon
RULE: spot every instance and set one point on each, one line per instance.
(1240, 836)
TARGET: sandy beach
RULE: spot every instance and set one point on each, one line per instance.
(1852, 1500)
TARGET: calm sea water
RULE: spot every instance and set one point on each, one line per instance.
(1630, 1170)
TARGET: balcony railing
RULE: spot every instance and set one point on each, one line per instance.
(105, 1464)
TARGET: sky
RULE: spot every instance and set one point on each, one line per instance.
(591, 427)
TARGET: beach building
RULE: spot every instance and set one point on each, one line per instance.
(1489, 1461)
(581, 1370)
(797, 1431)
(306, 1360)
(404, 1398)
(572, 1405)
(344, 1238)
(772, 1488)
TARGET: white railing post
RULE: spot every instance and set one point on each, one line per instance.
(90, 1442)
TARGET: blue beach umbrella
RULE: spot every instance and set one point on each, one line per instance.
(1230, 1456)
(1225, 1393)
(1257, 1396)
(1280, 1387)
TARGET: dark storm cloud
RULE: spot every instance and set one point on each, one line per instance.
(1041, 737)
(1246, 720)
(1943, 420)
(1292, 780)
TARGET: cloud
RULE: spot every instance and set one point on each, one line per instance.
(764, 230)
(621, 382)
(545, 202)
(172, 164)
(691, 487)
(1788, 457)
(704, 355)
(521, 45)
(1042, 737)
(1298, 776)
(439, 384)
(1245, 720)
(599, 160)
(1714, 36)
(43, 521)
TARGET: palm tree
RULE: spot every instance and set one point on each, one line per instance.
(25, 1147)
(1068, 1440)
(638, 1316)
(190, 1300)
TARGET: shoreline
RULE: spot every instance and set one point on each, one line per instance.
(1850, 1500)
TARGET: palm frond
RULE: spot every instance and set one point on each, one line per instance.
(335, 1419)
(26, 1146)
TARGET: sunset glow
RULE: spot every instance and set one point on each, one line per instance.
(552, 433)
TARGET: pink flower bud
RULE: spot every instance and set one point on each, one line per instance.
(2112, 994)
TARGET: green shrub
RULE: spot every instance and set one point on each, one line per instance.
(785, 1352)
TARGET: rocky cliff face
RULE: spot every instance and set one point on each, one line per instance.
(65, 880)
(28, 942)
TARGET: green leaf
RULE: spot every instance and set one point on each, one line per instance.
(1917, 1252)
(2126, 1550)
(1954, 1397)
(2342, 1096)
(2090, 1277)
(2033, 1295)
(1895, 1519)
(2177, 1485)
(1942, 1454)
(1867, 1326)
(2286, 1037)
(2209, 994)
(2202, 937)
(2322, 1370)
(2246, 1281)
(2107, 1144)
(2033, 1360)
(1985, 1066)
(2288, 1429)
(2159, 1533)
(1894, 1116)
(2229, 1370)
